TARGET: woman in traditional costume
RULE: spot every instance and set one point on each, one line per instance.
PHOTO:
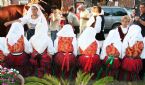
(33, 16)
(111, 54)
(42, 50)
(131, 54)
(18, 47)
(111, 50)
(89, 60)
(66, 48)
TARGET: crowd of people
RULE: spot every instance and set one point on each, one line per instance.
(76, 41)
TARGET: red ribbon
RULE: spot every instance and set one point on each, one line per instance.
(66, 59)
(88, 64)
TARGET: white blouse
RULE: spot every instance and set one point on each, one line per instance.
(30, 22)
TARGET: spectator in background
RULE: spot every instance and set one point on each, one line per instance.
(97, 22)
(141, 22)
(73, 20)
(141, 19)
(64, 15)
(84, 17)
(132, 16)
(54, 23)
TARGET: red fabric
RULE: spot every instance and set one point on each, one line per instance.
(89, 62)
(132, 65)
(17, 60)
(45, 58)
(78, 15)
(42, 65)
(65, 60)
(128, 76)
(65, 44)
(17, 47)
(62, 22)
(130, 68)
(90, 50)
(116, 63)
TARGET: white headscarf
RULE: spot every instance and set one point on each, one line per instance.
(15, 32)
(113, 37)
(66, 31)
(86, 38)
(40, 39)
(3, 46)
(133, 35)
(40, 15)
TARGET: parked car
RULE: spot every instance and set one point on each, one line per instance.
(112, 16)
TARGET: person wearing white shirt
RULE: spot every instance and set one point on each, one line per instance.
(97, 22)
(33, 16)
(54, 25)
(84, 17)
(73, 20)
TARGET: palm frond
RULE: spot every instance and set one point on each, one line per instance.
(83, 78)
(37, 80)
(53, 80)
(65, 81)
(104, 81)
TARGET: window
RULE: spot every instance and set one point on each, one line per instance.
(118, 12)
(107, 11)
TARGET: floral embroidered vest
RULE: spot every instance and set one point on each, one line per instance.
(1, 56)
(90, 50)
(65, 44)
(17, 47)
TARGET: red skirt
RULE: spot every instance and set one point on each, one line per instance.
(132, 65)
(41, 63)
(89, 63)
(16, 60)
(116, 63)
(65, 60)
(112, 67)
(19, 62)
(45, 59)
(130, 69)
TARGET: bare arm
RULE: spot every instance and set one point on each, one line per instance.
(10, 22)
(142, 22)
